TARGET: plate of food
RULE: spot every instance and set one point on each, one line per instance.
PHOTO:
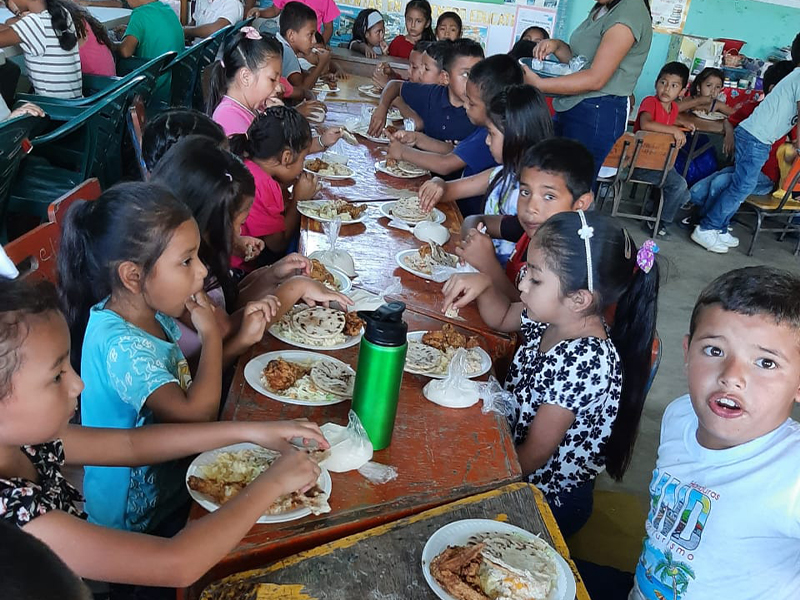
(300, 377)
(331, 277)
(394, 114)
(484, 559)
(409, 210)
(328, 210)
(329, 87)
(216, 476)
(370, 90)
(420, 262)
(709, 116)
(362, 131)
(400, 169)
(328, 169)
(430, 352)
(318, 328)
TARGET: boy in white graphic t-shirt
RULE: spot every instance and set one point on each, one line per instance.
(724, 519)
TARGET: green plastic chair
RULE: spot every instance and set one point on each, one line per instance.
(13, 134)
(208, 56)
(184, 74)
(86, 146)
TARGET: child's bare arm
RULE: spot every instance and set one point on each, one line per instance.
(422, 142)
(437, 190)
(327, 32)
(378, 120)
(443, 164)
(647, 123)
(548, 429)
(497, 311)
(491, 224)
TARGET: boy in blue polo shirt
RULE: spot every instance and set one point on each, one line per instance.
(472, 154)
(441, 108)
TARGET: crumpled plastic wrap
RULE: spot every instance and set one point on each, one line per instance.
(350, 446)
(332, 257)
(378, 473)
(364, 300)
(554, 68)
(456, 390)
(496, 398)
(440, 273)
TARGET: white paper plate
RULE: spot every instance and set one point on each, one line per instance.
(486, 360)
(706, 116)
(351, 340)
(332, 177)
(386, 211)
(318, 89)
(303, 210)
(324, 482)
(459, 533)
(399, 258)
(381, 166)
(340, 278)
(414, 171)
(362, 131)
(369, 90)
(254, 368)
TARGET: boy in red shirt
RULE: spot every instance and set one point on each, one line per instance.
(660, 113)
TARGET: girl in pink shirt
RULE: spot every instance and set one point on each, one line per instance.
(94, 46)
(274, 149)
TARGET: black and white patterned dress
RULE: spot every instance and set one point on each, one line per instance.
(584, 376)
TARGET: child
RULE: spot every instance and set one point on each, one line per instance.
(325, 13)
(441, 108)
(578, 383)
(298, 23)
(244, 80)
(274, 149)
(384, 73)
(212, 15)
(704, 93)
(777, 114)
(473, 154)
(419, 16)
(94, 46)
(660, 113)
(46, 34)
(556, 175)
(38, 396)
(369, 34)
(726, 481)
(448, 26)
(535, 34)
(434, 58)
(165, 129)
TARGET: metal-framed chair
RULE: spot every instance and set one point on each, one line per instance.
(614, 169)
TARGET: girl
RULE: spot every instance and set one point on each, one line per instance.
(418, 27)
(578, 384)
(38, 395)
(274, 149)
(704, 93)
(165, 129)
(369, 34)
(448, 26)
(535, 34)
(54, 69)
(94, 46)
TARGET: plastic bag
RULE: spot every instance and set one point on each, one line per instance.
(378, 473)
(440, 273)
(339, 259)
(495, 398)
(364, 300)
(350, 446)
(456, 390)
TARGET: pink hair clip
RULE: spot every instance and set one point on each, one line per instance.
(251, 33)
(646, 255)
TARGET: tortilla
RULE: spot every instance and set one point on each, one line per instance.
(410, 210)
(333, 378)
(423, 358)
(349, 137)
(319, 323)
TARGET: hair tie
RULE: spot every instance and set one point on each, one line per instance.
(229, 176)
(646, 255)
(373, 19)
(222, 63)
(586, 233)
(251, 33)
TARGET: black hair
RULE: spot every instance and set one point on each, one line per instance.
(453, 16)
(494, 74)
(462, 47)
(81, 18)
(439, 51)
(617, 280)
(522, 49)
(425, 8)
(61, 18)
(753, 291)
(239, 52)
(166, 128)
(795, 53)
(30, 570)
(567, 158)
(19, 300)
(318, 38)
(215, 185)
(521, 113)
(128, 222)
(421, 46)
(277, 129)
(360, 24)
(706, 73)
(542, 30)
(775, 73)
(677, 69)
(295, 16)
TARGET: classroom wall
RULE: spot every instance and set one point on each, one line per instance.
(762, 25)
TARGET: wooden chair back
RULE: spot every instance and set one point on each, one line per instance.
(88, 190)
(653, 156)
(621, 153)
(34, 253)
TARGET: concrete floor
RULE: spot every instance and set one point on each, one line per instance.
(686, 269)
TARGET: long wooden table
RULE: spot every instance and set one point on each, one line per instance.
(385, 562)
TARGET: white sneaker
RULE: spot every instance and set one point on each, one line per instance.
(709, 239)
(729, 240)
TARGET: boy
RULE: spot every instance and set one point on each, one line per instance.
(298, 24)
(557, 176)
(212, 15)
(471, 154)
(441, 108)
(325, 13)
(660, 113)
(770, 121)
(724, 518)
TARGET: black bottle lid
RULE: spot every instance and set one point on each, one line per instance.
(385, 326)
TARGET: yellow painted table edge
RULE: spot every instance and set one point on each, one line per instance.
(280, 592)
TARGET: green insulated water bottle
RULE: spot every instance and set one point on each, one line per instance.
(380, 371)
